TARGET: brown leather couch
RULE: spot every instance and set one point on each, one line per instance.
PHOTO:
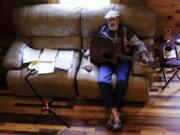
(72, 28)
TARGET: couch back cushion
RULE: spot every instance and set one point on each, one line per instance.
(67, 42)
(140, 18)
(47, 20)
(49, 25)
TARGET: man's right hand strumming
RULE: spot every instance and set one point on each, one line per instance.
(88, 67)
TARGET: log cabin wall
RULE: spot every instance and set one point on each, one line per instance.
(137, 2)
(167, 12)
(176, 6)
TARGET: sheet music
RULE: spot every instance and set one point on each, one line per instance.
(43, 67)
(48, 55)
(30, 55)
(45, 64)
(52, 58)
(64, 59)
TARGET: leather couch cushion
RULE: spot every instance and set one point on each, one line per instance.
(92, 20)
(14, 56)
(69, 42)
(47, 20)
(140, 70)
(86, 42)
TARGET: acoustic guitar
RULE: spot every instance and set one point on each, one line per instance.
(103, 50)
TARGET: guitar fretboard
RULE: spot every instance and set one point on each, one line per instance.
(123, 56)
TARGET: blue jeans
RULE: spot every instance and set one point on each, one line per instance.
(113, 98)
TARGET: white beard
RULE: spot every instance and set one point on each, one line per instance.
(113, 28)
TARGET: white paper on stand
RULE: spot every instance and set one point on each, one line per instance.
(48, 55)
(42, 67)
(173, 55)
(45, 67)
(64, 59)
(30, 55)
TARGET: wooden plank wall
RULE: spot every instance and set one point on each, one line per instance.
(136, 2)
(7, 32)
(6, 9)
(6, 26)
(177, 15)
(167, 11)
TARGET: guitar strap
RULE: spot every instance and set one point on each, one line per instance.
(124, 41)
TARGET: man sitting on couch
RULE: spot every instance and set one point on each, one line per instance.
(117, 33)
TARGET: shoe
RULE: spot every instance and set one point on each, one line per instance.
(118, 125)
(109, 124)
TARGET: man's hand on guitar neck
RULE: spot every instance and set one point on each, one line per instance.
(144, 59)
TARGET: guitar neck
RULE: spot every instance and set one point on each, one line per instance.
(123, 56)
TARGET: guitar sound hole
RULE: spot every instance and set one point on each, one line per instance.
(108, 55)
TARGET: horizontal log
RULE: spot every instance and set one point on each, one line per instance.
(160, 2)
(177, 17)
(164, 9)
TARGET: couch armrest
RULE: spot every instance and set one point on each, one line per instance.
(14, 56)
(137, 69)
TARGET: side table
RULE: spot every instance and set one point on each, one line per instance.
(173, 63)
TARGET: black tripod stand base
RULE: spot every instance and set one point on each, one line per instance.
(51, 114)
(46, 106)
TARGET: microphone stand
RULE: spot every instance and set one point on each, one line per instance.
(46, 107)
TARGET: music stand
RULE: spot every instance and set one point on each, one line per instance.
(46, 107)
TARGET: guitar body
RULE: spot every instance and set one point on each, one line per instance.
(104, 50)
